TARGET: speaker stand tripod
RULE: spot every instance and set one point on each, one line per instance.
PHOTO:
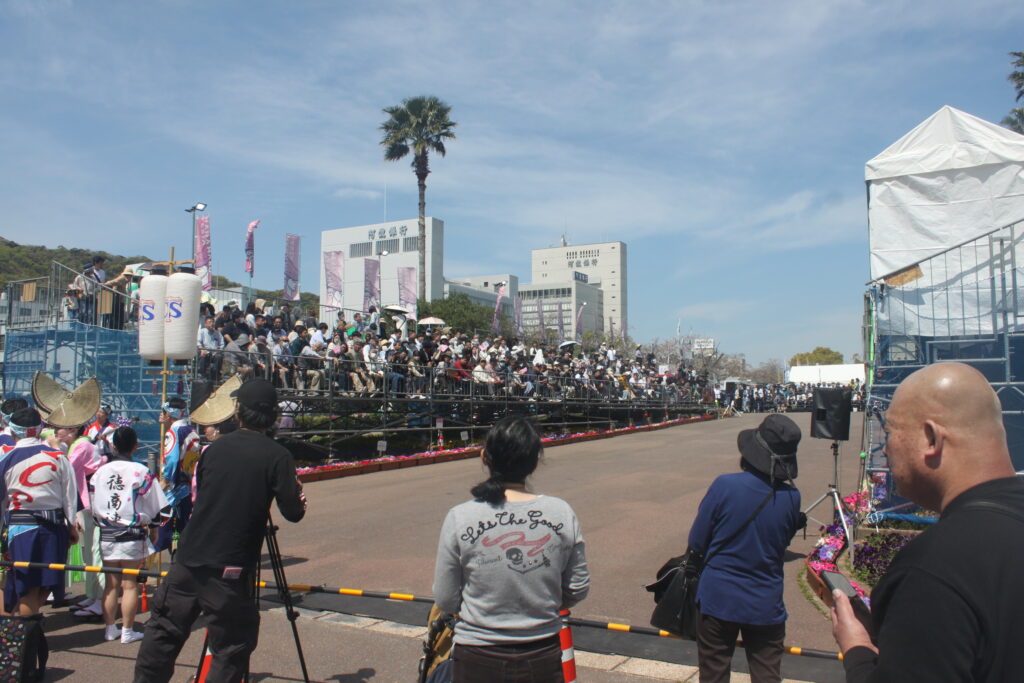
(833, 494)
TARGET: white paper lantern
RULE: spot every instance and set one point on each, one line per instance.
(152, 291)
(181, 323)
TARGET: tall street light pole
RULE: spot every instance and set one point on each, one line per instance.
(198, 207)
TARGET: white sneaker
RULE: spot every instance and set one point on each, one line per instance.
(130, 636)
(111, 632)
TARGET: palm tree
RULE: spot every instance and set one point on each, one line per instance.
(1015, 121)
(420, 125)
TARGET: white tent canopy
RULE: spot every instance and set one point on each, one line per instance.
(951, 179)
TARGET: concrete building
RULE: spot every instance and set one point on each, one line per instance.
(603, 263)
(483, 290)
(369, 242)
(551, 300)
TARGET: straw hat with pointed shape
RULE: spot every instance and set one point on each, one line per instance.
(219, 406)
(62, 408)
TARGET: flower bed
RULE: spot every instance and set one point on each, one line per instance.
(347, 469)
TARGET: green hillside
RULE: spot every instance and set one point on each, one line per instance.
(25, 261)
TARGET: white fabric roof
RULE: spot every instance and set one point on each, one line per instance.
(951, 179)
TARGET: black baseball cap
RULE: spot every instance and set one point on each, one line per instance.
(257, 394)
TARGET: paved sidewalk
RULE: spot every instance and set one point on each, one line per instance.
(338, 647)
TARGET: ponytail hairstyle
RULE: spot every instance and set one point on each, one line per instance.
(511, 453)
(125, 439)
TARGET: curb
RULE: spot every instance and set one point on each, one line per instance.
(339, 470)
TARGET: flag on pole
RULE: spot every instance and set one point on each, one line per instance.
(497, 308)
(250, 247)
(291, 268)
(334, 278)
(519, 316)
(561, 323)
(371, 280)
(579, 323)
(407, 289)
(203, 252)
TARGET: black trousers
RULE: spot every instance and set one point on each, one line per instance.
(536, 662)
(233, 623)
(716, 642)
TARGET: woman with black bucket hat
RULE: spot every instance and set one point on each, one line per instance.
(742, 529)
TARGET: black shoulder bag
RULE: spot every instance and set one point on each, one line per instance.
(675, 591)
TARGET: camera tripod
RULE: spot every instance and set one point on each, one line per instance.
(833, 494)
(281, 584)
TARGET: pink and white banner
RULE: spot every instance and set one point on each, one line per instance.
(407, 289)
(203, 252)
(519, 315)
(371, 283)
(497, 308)
(291, 268)
(334, 278)
(250, 247)
(579, 323)
(561, 323)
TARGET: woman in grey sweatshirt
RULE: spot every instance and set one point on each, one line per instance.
(507, 562)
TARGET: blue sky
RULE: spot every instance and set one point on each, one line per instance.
(724, 142)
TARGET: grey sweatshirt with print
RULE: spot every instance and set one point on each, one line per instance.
(507, 569)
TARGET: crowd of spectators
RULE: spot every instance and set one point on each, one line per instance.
(366, 357)
(779, 398)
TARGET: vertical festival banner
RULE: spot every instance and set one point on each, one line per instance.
(203, 252)
(250, 247)
(519, 316)
(579, 322)
(497, 308)
(334, 277)
(291, 267)
(407, 289)
(371, 282)
(561, 323)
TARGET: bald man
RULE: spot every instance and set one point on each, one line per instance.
(951, 606)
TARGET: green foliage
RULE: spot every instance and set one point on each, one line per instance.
(459, 313)
(221, 282)
(821, 355)
(22, 262)
(1015, 120)
(419, 125)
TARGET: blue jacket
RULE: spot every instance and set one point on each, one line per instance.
(743, 582)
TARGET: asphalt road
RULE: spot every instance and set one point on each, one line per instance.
(635, 496)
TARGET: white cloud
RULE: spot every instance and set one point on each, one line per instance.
(357, 193)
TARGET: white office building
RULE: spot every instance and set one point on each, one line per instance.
(555, 305)
(483, 290)
(392, 245)
(604, 265)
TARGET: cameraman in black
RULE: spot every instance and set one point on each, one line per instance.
(214, 569)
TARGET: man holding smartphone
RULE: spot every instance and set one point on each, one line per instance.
(949, 608)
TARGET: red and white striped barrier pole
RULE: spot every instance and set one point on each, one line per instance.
(568, 654)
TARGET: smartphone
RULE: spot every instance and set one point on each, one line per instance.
(837, 581)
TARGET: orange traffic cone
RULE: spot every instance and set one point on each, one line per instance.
(143, 599)
(568, 652)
